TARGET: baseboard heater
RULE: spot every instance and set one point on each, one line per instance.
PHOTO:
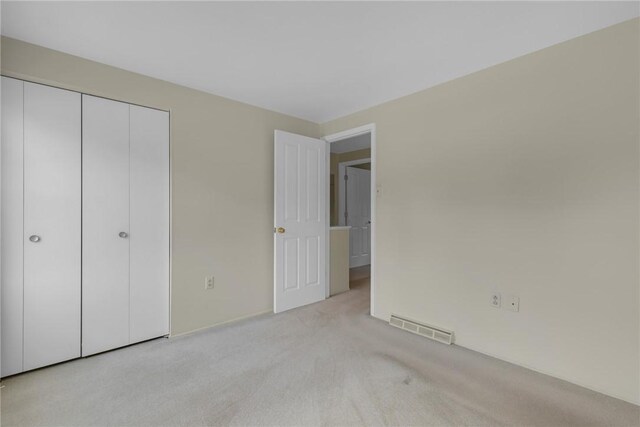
(431, 332)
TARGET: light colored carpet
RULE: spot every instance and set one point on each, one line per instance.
(325, 364)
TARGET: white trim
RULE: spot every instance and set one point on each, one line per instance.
(371, 129)
(224, 323)
(170, 228)
(356, 162)
(342, 171)
(275, 213)
(327, 218)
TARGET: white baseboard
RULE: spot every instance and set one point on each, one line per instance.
(215, 325)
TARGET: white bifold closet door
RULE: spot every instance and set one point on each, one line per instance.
(149, 223)
(41, 209)
(105, 214)
(12, 233)
(125, 223)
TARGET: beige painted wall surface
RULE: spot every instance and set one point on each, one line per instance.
(522, 179)
(339, 250)
(222, 160)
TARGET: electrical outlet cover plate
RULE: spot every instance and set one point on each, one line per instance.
(495, 300)
(208, 282)
(513, 303)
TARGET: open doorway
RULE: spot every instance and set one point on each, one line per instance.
(351, 213)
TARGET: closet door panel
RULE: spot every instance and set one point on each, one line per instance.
(149, 311)
(11, 226)
(52, 212)
(105, 254)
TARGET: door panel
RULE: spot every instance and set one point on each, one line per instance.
(105, 255)
(52, 211)
(358, 198)
(149, 240)
(313, 261)
(291, 193)
(291, 263)
(300, 206)
(12, 225)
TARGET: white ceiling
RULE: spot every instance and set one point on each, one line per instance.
(312, 60)
(354, 143)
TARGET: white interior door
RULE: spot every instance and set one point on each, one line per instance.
(300, 220)
(358, 208)
(12, 242)
(105, 224)
(149, 239)
(52, 210)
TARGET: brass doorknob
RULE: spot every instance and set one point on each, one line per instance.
(280, 230)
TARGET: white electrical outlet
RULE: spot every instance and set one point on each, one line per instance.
(513, 303)
(208, 282)
(495, 300)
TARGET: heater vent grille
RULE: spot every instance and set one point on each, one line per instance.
(431, 332)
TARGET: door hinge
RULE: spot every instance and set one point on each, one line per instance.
(346, 177)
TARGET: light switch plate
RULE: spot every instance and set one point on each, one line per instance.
(513, 303)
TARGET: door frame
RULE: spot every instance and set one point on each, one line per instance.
(342, 170)
(349, 133)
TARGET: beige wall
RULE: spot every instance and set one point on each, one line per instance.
(339, 251)
(222, 160)
(523, 179)
(335, 159)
